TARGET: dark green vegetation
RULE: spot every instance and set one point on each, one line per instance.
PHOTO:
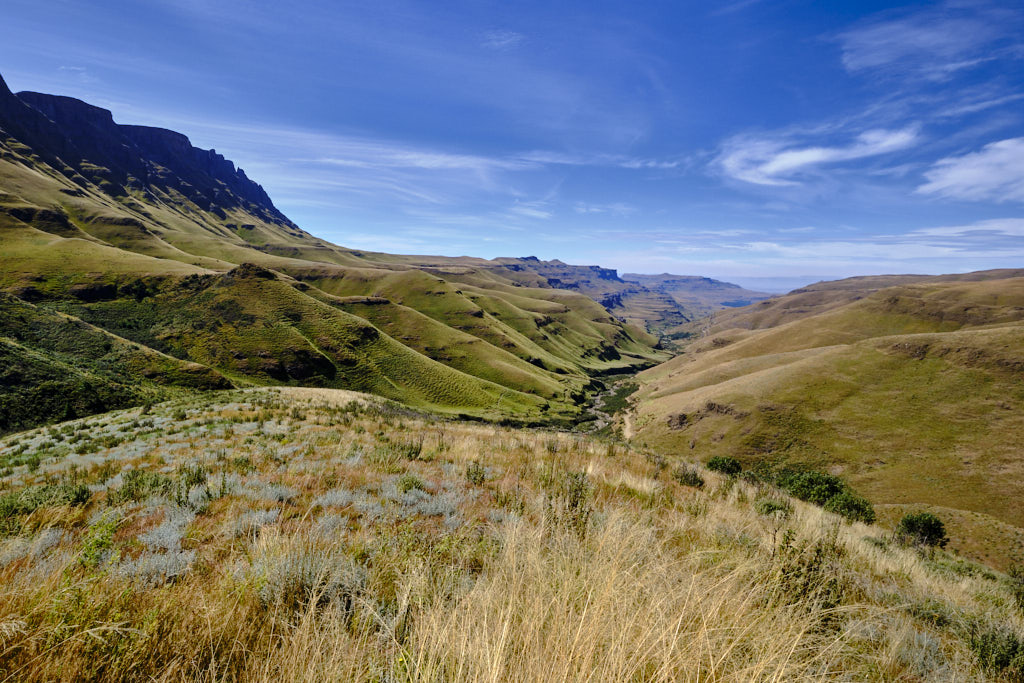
(908, 387)
(725, 465)
(56, 367)
(818, 488)
(922, 529)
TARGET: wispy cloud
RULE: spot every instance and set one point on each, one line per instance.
(777, 160)
(80, 73)
(607, 160)
(971, 106)
(995, 227)
(996, 173)
(934, 43)
(731, 7)
(616, 208)
(948, 249)
(502, 40)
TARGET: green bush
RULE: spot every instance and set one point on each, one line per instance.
(811, 486)
(568, 502)
(808, 573)
(922, 529)
(852, 507)
(30, 499)
(1016, 579)
(98, 540)
(1000, 651)
(688, 475)
(17, 504)
(138, 484)
(725, 464)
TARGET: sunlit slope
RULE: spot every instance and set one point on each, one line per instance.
(254, 327)
(54, 366)
(915, 393)
(556, 331)
(134, 229)
(317, 530)
(825, 296)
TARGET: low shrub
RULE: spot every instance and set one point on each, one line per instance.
(828, 491)
(476, 474)
(19, 503)
(725, 464)
(687, 475)
(139, 484)
(851, 506)
(99, 539)
(811, 486)
(1016, 580)
(1000, 650)
(922, 529)
(569, 502)
(408, 482)
(304, 576)
(808, 573)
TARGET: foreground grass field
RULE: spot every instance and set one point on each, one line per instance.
(302, 534)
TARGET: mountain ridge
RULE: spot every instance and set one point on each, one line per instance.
(136, 232)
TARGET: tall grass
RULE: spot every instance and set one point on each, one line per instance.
(566, 565)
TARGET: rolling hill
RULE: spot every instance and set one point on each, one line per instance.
(912, 388)
(132, 231)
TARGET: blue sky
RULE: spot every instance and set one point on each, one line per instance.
(767, 142)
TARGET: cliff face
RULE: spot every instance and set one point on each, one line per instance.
(86, 144)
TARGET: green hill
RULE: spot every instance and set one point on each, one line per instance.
(134, 231)
(912, 392)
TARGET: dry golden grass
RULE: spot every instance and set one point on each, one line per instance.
(912, 393)
(569, 561)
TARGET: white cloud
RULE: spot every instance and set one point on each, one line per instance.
(609, 160)
(617, 208)
(933, 43)
(502, 40)
(995, 173)
(970, 107)
(531, 210)
(996, 227)
(774, 161)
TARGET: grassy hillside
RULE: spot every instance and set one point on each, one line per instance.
(323, 535)
(56, 367)
(254, 327)
(913, 393)
(138, 233)
(825, 296)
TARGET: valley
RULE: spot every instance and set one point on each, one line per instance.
(224, 440)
